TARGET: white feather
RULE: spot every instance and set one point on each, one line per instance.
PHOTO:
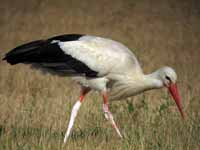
(102, 55)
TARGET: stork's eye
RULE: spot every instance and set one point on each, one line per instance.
(168, 78)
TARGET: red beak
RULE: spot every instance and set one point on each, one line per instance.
(175, 94)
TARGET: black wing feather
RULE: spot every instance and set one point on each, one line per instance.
(47, 54)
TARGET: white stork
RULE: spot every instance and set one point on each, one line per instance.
(97, 64)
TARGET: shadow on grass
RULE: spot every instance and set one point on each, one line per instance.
(25, 132)
(86, 132)
(2, 130)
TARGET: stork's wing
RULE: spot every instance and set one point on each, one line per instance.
(102, 55)
(76, 55)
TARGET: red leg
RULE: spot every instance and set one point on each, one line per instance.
(84, 91)
(74, 112)
(108, 114)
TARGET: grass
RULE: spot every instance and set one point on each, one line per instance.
(35, 108)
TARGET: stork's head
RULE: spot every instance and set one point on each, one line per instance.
(168, 78)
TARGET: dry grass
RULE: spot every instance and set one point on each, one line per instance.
(35, 109)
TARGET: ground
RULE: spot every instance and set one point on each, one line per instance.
(35, 108)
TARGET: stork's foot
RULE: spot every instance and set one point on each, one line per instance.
(109, 116)
(74, 112)
(72, 119)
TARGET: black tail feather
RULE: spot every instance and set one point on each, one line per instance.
(22, 53)
(39, 51)
(47, 54)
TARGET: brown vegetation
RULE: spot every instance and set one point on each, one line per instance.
(35, 108)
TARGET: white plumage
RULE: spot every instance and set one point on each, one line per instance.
(101, 55)
(113, 61)
(96, 64)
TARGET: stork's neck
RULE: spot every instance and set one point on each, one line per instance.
(153, 80)
(127, 87)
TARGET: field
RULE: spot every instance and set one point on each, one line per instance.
(35, 108)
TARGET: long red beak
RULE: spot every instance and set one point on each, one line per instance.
(175, 94)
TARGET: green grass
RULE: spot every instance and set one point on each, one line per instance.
(35, 108)
(142, 129)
